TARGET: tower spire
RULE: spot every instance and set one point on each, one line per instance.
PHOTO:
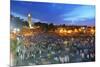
(30, 20)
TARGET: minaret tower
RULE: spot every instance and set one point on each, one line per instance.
(30, 20)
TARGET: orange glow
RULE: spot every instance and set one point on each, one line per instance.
(69, 31)
(92, 31)
(65, 31)
(61, 30)
(75, 30)
(80, 29)
(29, 33)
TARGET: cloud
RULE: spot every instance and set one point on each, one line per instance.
(80, 13)
(35, 20)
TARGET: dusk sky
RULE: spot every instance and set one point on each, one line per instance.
(55, 13)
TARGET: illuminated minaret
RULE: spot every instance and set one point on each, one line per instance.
(30, 20)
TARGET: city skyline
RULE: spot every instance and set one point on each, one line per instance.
(55, 13)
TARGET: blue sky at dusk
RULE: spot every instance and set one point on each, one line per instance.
(55, 13)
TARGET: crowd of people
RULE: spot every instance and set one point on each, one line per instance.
(45, 48)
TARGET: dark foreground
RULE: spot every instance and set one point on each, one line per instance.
(46, 48)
